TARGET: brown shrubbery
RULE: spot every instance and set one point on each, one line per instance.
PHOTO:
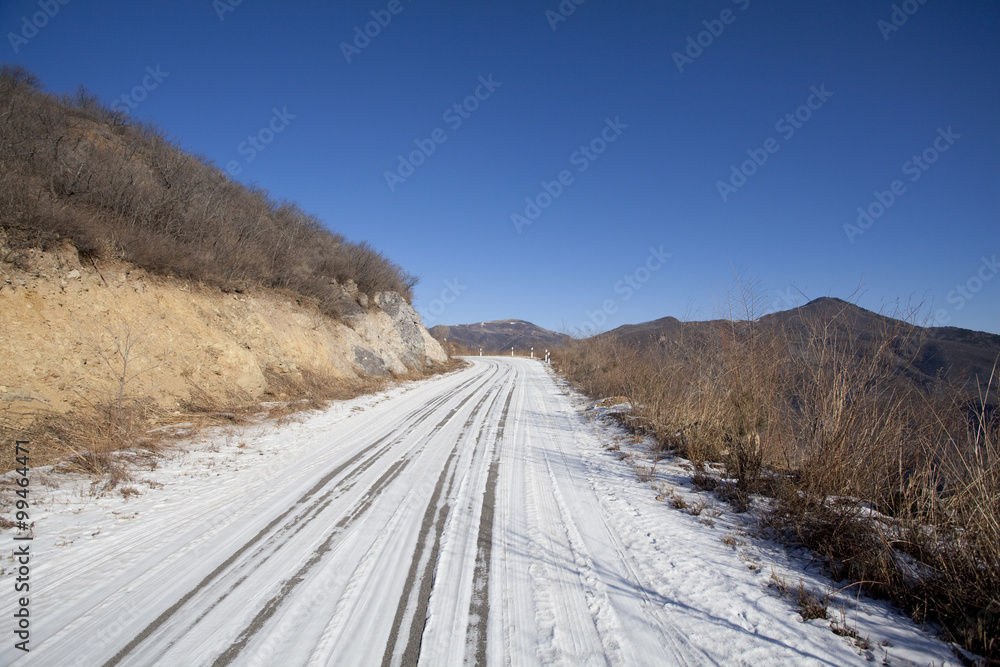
(72, 168)
(895, 483)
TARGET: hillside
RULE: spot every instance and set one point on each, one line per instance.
(140, 286)
(71, 168)
(953, 354)
(499, 336)
(58, 320)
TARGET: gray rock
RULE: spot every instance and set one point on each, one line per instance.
(370, 363)
(20, 396)
(74, 274)
(406, 322)
(348, 309)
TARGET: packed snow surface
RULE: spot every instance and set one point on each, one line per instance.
(475, 518)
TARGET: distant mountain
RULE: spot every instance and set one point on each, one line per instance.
(955, 354)
(499, 336)
(654, 330)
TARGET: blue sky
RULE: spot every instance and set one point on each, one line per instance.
(642, 109)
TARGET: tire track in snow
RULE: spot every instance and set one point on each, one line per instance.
(272, 605)
(225, 565)
(479, 608)
(606, 621)
(563, 631)
(369, 594)
(644, 582)
(416, 594)
(421, 414)
(680, 651)
(182, 544)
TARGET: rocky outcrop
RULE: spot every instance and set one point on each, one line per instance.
(417, 343)
(66, 328)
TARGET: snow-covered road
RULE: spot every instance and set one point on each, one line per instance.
(470, 519)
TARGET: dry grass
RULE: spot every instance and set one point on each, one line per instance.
(644, 473)
(896, 485)
(810, 604)
(109, 442)
(704, 482)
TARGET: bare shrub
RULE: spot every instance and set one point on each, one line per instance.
(811, 605)
(751, 372)
(671, 386)
(71, 168)
(644, 473)
(704, 482)
(677, 501)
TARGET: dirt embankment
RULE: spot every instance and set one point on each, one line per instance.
(75, 336)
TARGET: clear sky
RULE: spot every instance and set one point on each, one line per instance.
(729, 135)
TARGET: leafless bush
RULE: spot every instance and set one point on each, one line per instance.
(704, 482)
(71, 168)
(810, 604)
(644, 473)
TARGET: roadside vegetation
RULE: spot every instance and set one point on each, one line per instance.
(73, 168)
(111, 436)
(895, 483)
(454, 349)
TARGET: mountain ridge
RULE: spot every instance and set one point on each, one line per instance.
(952, 353)
(496, 336)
